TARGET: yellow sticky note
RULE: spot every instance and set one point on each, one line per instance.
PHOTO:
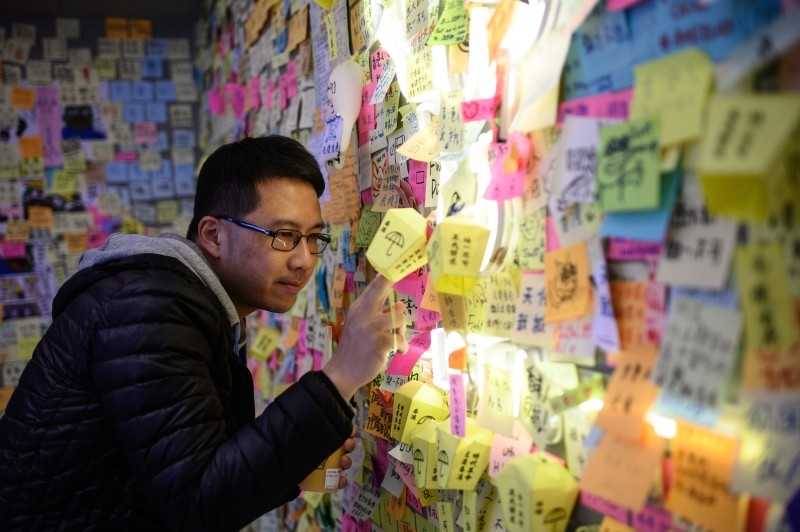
(461, 461)
(379, 415)
(452, 27)
(330, 27)
(398, 248)
(700, 491)
(23, 97)
(423, 145)
(25, 347)
(414, 403)
(423, 448)
(675, 90)
(167, 211)
(768, 311)
(454, 311)
(455, 253)
(445, 512)
(326, 4)
(745, 136)
(106, 67)
(567, 283)
(64, 183)
(267, 340)
(537, 493)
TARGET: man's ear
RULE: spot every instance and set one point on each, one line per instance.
(209, 237)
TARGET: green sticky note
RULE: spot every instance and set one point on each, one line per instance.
(628, 176)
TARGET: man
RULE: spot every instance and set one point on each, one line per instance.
(136, 410)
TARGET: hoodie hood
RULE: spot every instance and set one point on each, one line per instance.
(119, 246)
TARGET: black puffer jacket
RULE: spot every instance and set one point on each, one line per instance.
(136, 414)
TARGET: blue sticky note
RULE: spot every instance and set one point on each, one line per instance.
(281, 41)
(157, 48)
(133, 112)
(161, 143)
(156, 112)
(348, 257)
(184, 186)
(143, 91)
(165, 91)
(668, 26)
(137, 174)
(120, 91)
(727, 298)
(152, 67)
(116, 172)
(671, 405)
(184, 170)
(650, 225)
(600, 57)
(183, 138)
(165, 172)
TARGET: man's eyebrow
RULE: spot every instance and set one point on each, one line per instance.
(283, 223)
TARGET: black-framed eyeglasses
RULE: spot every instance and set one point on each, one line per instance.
(286, 239)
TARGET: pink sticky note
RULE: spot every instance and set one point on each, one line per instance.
(417, 177)
(458, 405)
(605, 105)
(619, 5)
(413, 501)
(410, 283)
(268, 91)
(484, 109)
(622, 249)
(291, 79)
(216, 103)
(13, 250)
(95, 239)
(652, 519)
(505, 448)
(552, 237)
(615, 511)
(48, 111)
(255, 92)
(238, 97)
(402, 364)
(125, 156)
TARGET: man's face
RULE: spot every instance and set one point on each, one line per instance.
(257, 276)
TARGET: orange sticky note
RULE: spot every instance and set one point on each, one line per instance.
(141, 28)
(23, 97)
(622, 470)
(117, 28)
(31, 146)
(773, 368)
(700, 490)
(569, 292)
(339, 278)
(40, 217)
(628, 300)
(397, 505)
(76, 242)
(379, 415)
(630, 393)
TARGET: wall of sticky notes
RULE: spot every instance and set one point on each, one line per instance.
(599, 265)
(98, 134)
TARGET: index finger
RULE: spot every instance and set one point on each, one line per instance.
(376, 291)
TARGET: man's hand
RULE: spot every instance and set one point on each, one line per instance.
(367, 337)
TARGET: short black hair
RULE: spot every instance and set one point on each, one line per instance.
(228, 181)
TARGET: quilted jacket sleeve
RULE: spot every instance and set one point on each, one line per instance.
(166, 376)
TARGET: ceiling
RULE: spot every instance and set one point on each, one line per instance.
(153, 9)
